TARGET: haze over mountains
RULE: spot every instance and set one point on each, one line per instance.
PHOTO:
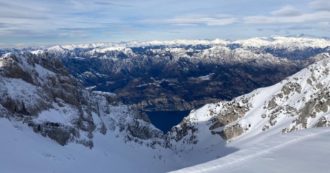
(87, 108)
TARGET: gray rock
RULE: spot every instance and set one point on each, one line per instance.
(231, 132)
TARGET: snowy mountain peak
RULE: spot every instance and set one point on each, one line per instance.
(285, 42)
(251, 42)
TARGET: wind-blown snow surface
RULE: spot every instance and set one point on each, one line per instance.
(22, 150)
(304, 151)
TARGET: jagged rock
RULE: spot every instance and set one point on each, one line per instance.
(139, 132)
(230, 112)
(183, 130)
(272, 104)
(12, 69)
(60, 133)
(231, 132)
(291, 87)
(40, 85)
(323, 122)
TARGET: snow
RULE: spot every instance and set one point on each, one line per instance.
(103, 50)
(2, 63)
(19, 90)
(256, 150)
(259, 99)
(216, 51)
(205, 77)
(57, 48)
(58, 114)
(36, 52)
(276, 41)
(304, 151)
(284, 42)
(22, 150)
(42, 72)
(110, 94)
(254, 138)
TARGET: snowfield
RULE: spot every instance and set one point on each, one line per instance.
(303, 151)
(22, 150)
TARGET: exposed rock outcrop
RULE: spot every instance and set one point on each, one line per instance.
(38, 91)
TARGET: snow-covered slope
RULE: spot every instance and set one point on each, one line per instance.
(24, 151)
(50, 123)
(41, 94)
(256, 128)
(300, 101)
(304, 151)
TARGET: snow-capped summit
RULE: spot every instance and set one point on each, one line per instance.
(251, 42)
(285, 42)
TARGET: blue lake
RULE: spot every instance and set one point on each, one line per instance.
(165, 120)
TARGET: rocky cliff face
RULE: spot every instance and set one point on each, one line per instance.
(39, 92)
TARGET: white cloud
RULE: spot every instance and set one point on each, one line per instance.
(210, 21)
(286, 11)
(195, 20)
(65, 20)
(323, 5)
(279, 17)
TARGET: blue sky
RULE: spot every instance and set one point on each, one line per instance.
(45, 22)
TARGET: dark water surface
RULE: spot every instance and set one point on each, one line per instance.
(165, 120)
